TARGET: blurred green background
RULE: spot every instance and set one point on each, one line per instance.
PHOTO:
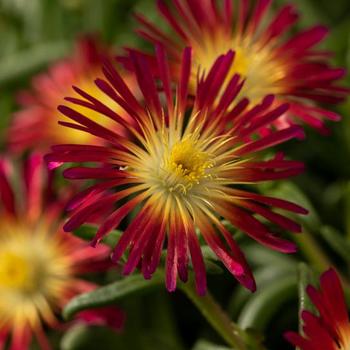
(34, 33)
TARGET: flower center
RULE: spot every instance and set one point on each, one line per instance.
(240, 64)
(35, 273)
(262, 72)
(15, 272)
(186, 165)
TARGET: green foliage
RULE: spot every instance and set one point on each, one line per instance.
(111, 293)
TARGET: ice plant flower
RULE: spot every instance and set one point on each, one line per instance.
(36, 124)
(330, 329)
(178, 170)
(40, 264)
(291, 68)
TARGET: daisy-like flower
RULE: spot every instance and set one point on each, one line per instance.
(179, 170)
(36, 124)
(292, 69)
(330, 329)
(39, 262)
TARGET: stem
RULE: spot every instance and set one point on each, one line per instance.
(211, 310)
(312, 251)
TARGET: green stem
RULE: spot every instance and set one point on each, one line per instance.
(211, 310)
(312, 251)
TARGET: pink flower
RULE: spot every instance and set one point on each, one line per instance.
(178, 167)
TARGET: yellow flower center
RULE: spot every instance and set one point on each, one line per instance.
(262, 72)
(240, 63)
(186, 165)
(15, 271)
(35, 272)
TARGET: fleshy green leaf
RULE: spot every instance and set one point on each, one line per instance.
(262, 306)
(111, 293)
(74, 337)
(337, 241)
(205, 345)
(26, 62)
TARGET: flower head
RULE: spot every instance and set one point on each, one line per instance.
(180, 169)
(330, 330)
(36, 124)
(39, 263)
(292, 69)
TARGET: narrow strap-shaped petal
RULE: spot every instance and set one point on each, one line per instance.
(197, 261)
(6, 192)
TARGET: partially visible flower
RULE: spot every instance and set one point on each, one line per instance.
(101, 316)
(180, 170)
(36, 126)
(330, 329)
(292, 69)
(39, 263)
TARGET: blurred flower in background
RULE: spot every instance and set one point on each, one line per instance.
(331, 328)
(290, 68)
(36, 125)
(39, 263)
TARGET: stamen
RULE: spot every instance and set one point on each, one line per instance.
(185, 165)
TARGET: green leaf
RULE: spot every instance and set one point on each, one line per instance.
(111, 293)
(262, 306)
(270, 267)
(291, 192)
(74, 337)
(260, 256)
(26, 62)
(337, 241)
(205, 345)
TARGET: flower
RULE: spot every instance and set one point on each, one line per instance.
(179, 170)
(330, 330)
(292, 69)
(36, 124)
(39, 262)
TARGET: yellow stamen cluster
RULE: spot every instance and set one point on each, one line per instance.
(186, 165)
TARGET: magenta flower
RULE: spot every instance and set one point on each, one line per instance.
(40, 264)
(178, 168)
(330, 329)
